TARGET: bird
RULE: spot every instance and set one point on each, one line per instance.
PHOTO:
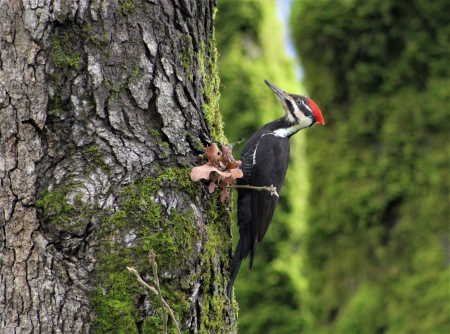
(265, 160)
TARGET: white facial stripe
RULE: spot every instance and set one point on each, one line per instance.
(293, 112)
(298, 113)
(307, 107)
(290, 116)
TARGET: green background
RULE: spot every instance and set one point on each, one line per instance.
(360, 240)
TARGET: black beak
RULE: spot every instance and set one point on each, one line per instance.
(281, 95)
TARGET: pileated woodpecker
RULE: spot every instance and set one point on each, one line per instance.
(264, 163)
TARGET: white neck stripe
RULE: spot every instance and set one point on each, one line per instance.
(287, 132)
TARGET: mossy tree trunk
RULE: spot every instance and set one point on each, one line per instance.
(104, 108)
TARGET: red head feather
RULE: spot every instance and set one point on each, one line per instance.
(316, 111)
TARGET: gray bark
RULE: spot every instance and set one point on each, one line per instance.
(93, 95)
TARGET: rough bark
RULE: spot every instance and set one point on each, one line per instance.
(102, 113)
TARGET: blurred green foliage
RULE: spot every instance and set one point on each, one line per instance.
(249, 39)
(377, 241)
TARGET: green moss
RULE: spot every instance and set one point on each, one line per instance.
(64, 209)
(117, 87)
(169, 234)
(216, 249)
(111, 87)
(97, 157)
(121, 313)
(213, 309)
(162, 145)
(208, 59)
(186, 56)
(63, 54)
(55, 207)
(105, 36)
(195, 143)
(55, 105)
(85, 97)
(128, 8)
(135, 71)
(87, 32)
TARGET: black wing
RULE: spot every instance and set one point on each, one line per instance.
(270, 165)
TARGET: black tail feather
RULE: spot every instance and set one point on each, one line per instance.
(235, 265)
(244, 245)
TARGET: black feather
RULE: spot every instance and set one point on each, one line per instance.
(256, 208)
(264, 160)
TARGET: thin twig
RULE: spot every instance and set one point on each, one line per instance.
(271, 189)
(152, 289)
(152, 259)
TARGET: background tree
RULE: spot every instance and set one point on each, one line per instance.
(103, 108)
(249, 39)
(377, 242)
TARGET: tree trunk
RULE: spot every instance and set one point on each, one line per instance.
(104, 108)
